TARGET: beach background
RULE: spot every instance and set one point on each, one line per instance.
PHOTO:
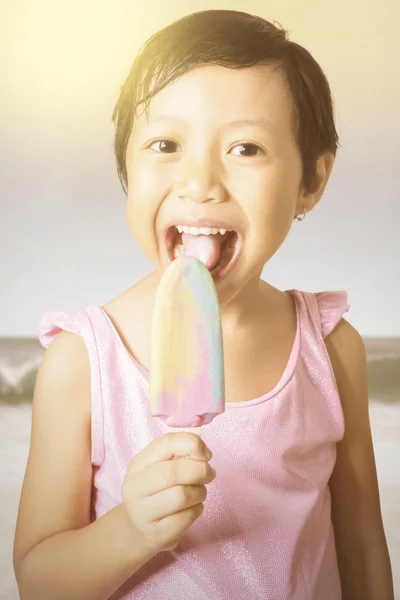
(64, 240)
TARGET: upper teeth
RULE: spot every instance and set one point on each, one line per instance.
(200, 230)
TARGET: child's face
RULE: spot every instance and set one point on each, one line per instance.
(202, 170)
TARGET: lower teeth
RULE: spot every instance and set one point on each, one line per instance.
(178, 251)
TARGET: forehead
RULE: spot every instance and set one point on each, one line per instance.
(212, 94)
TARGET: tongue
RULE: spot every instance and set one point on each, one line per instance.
(206, 248)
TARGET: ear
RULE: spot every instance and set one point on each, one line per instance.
(307, 200)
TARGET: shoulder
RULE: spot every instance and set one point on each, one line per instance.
(65, 367)
(345, 340)
(66, 345)
(348, 357)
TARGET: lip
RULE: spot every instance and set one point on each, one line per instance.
(204, 222)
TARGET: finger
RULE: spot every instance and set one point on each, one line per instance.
(169, 446)
(174, 500)
(164, 475)
(179, 522)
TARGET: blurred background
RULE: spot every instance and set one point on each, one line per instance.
(63, 236)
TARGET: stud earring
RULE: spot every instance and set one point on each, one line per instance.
(300, 218)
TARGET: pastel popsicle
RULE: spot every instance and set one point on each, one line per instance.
(187, 384)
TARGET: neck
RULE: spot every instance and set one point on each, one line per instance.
(241, 312)
(246, 310)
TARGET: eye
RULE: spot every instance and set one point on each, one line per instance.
(168, 143)
(165, 143)
(249, 145)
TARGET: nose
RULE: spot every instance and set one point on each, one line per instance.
(201, 182)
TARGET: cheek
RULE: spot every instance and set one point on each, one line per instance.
(272, 198)
(146, 192)
(141, 214)
(143, 178)
(143, 188)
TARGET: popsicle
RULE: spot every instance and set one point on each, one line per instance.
(187, 385)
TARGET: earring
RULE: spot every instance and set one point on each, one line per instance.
(300, 218)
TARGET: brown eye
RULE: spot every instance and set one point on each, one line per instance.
(164, 144)
(166, 147)
(252, 152)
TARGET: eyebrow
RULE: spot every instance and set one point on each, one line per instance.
(267, 125)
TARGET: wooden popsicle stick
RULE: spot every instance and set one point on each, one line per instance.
(195, 430)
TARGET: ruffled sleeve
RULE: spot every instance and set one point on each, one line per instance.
(52, 322)
(331, 307)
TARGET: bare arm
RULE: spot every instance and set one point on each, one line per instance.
(362, 552)
(58, 552)
(89, 563)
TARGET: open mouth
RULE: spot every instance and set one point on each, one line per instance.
(230, 247)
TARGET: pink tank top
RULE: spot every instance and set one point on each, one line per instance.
(266, 530)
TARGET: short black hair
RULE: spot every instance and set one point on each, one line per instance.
(235, 40)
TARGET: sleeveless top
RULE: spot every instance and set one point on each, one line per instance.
(266, 531)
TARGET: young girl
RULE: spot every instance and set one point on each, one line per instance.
(239, 136)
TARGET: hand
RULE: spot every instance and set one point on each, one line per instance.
(162, 496)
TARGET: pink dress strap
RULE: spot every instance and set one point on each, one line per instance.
(331, 308)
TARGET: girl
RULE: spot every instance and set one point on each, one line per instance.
(237, 139)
